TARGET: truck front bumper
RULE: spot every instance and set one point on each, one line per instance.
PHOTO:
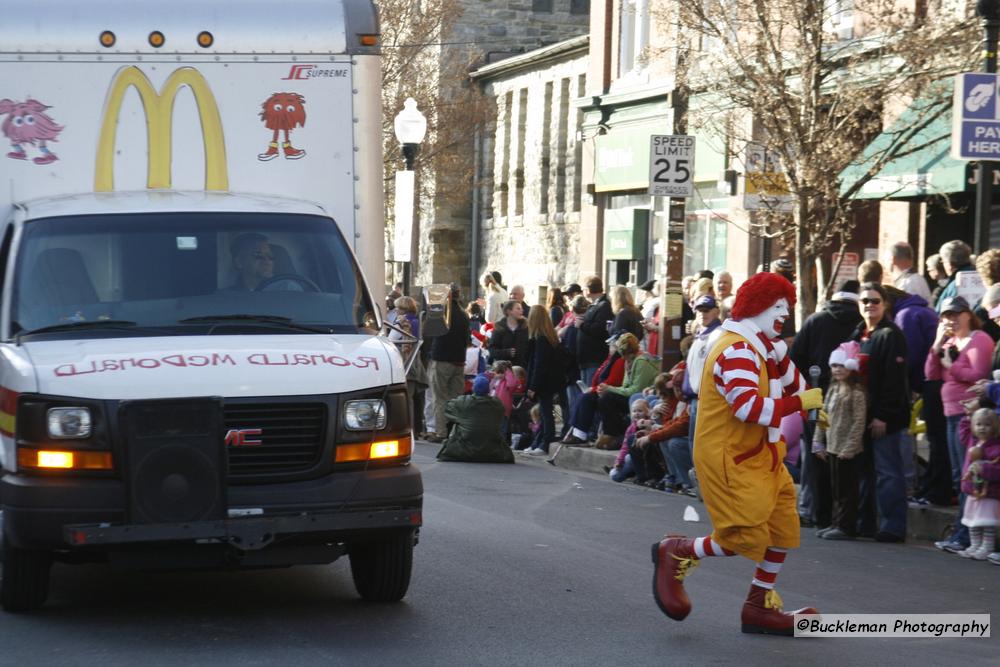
(245, 534)
(66, 513)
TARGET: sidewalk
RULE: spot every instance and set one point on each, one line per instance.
(924, 524)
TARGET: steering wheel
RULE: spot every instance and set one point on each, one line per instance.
(306, 284)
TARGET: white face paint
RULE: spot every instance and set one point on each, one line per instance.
(771, 320)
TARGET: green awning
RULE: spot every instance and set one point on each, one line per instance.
(928, 170)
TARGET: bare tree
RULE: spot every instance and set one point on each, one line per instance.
(421, 61)
(787, 74)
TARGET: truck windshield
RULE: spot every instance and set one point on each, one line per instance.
(187, 274)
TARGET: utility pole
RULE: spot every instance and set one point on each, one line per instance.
(681, 176)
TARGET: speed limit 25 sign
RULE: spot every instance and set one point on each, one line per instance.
(671, 165)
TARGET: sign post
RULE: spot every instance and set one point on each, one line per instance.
(671, 165)
(671, 174)
(403, 212)
(975, 135)
(766, 189)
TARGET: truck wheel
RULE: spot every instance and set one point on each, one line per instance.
(25, 583)
(381, 567)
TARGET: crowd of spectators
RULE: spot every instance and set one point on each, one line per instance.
(901, 357)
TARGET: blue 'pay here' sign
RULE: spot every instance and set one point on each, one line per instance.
(975, 132)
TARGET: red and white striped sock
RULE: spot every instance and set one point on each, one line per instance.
(704, 546)
(768, 569)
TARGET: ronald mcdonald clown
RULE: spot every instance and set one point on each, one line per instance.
(748, 385)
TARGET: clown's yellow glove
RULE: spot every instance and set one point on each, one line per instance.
(823, 419)
(811, 399)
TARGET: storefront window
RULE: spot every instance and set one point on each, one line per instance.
(705, 238)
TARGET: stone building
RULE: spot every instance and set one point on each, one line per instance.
(528, 193)
(488, 31)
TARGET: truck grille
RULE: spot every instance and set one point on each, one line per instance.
(292, 436)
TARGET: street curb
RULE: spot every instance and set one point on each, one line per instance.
(588, 459)
(924, 523)
(929, 522)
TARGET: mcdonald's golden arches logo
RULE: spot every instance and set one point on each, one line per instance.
(159, 127)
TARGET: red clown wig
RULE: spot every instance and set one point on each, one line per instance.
(760, 292)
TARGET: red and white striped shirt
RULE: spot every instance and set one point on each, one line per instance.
(737, 379)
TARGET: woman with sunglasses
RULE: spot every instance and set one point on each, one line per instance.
(884, 372)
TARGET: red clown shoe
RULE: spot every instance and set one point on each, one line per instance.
(673, 559)
(762, 613)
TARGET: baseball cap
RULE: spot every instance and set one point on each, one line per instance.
(706, 301)
(648, 285)
(850, 285)
(955, 304)
(481, 385)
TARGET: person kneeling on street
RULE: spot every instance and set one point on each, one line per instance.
(477, 420)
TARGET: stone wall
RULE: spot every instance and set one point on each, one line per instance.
(531, 190)
(520, 25)
(491, 30)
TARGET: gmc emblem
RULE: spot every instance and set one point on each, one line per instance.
(243, 437)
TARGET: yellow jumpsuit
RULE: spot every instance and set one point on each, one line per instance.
(749, 494)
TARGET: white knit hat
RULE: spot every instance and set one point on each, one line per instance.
(846, 355)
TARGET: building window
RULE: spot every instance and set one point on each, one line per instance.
(634, 36)
(705, 238)
(562, 145)
(838, 18)
(521, 129)
(722, 21)
(508, 127)
(546, 157)
(581, 89)
(579, 6)
(541, 6)
(488, 174)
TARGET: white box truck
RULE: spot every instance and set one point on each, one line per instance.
(191, 366)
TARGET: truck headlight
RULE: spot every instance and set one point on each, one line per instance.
(365, 415)
(69, 422)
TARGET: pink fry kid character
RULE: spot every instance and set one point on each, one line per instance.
(27, 123)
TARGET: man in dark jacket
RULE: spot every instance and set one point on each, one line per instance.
(883, 367)
(507, 344)
(918, 322)
(448, 363)
(476, 431)
(591, 345)
(956, 256)
(825, 329)
(820, 335)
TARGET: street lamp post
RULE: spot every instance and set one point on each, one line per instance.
(410, 126)
(989, 13)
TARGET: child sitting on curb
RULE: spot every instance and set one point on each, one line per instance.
(626, 465)
(505, 382)
(671, 437)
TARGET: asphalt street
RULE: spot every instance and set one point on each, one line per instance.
(519, 564)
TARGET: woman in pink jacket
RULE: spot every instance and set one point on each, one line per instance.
(960, 356)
